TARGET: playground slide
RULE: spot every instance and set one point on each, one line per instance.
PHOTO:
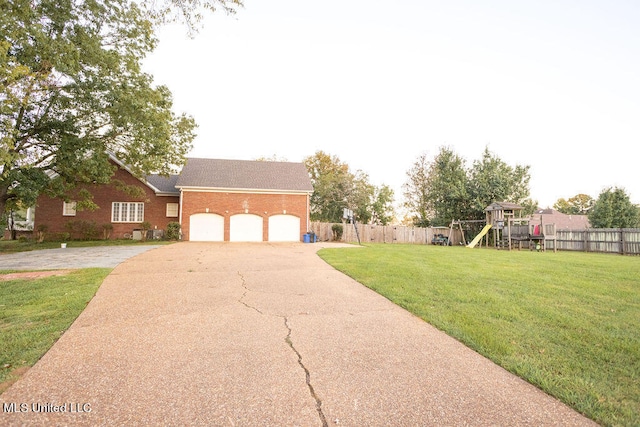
(480, 235)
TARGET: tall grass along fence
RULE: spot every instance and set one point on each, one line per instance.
(624, 241)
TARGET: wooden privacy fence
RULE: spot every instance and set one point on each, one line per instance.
(383, 233)
(624, 241)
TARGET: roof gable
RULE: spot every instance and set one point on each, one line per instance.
(163, 184)
(244, 175)
(495, 206)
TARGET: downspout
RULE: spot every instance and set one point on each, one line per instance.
(180, 218)
(308, 211)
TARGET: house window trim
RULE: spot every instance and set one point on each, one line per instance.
(69, 208)
(175, 210)
(128, 211)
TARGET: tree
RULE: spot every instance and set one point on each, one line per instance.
(614, 209)
(447, 187)
(272, 158)
(579, 204)
(332, 186)
(187, 12)
(416, 191)
(361, 198)
(493, 180)
(336, 188)
(437, 190)
(382, 209)
(72, 90)
(443, 189)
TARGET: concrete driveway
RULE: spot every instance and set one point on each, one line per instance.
(262, 334)
(100, 256)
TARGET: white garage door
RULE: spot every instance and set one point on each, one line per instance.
(284, 228)
(206, 227)
(246, 228)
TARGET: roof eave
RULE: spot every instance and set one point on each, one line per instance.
(241, 190)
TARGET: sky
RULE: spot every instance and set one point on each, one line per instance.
(550, 84)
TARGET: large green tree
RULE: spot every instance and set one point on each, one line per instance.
(332, 186)
(493, 180)
(440, 190)
(336, 188)
(72, 90)
(447, 187)
(580, 204)
(382, 210)
(416, 192)
(436, 190)
(614, 209)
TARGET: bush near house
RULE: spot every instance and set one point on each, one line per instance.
(173, 231)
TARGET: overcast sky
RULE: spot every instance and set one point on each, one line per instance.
(550, 84)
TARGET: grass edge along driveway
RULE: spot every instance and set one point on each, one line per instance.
(34, 313)
(566, 322)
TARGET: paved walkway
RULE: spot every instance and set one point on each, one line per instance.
(101, 256)
(262, 334)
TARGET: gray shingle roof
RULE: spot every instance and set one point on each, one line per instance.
(165, 184)
(245, 175)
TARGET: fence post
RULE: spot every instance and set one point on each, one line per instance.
(586, 240)
(622, 250)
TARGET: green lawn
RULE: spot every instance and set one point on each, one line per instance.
(35, 313)
(566, 322)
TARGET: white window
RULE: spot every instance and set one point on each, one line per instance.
(68, 208)
(172, 210)
(127, 212)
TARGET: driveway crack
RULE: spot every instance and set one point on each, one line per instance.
(323, 419)
(244, 294)
(289, 342)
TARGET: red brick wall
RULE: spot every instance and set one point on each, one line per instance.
(49, 210)
(228, 204)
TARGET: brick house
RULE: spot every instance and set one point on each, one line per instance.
(214, 200)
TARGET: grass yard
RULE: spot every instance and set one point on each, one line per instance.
(35, 313)
(567, 322)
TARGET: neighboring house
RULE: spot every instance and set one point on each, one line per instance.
(214, 200)
(561, 220)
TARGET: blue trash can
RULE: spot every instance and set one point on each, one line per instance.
(306, 238)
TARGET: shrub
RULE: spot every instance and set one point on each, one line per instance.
(84, 230)
(337, 231)
(106, 230)
(173, 230)
(146, 226)
(41, 231)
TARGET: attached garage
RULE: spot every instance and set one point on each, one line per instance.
(245, 228)
(206, 227)
(254, 201)
(284, 228)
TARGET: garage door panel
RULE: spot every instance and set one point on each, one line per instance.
(206, 227)
(245, 228)
(284, 228)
